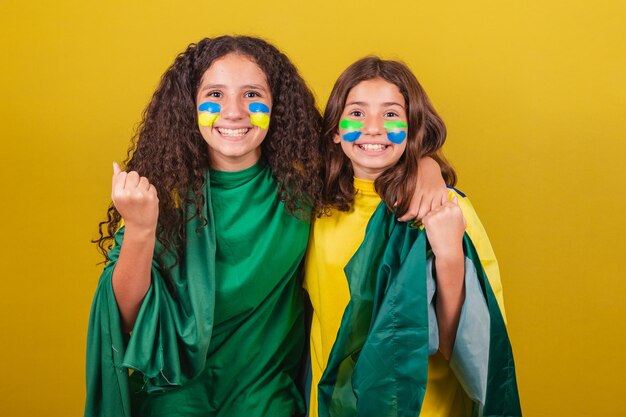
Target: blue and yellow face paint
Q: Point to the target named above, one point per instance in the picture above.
(260, 115)
(353, 127)
(396, 137)
(209, 112)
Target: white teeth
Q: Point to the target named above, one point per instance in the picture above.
(232, 132)
(372, 147)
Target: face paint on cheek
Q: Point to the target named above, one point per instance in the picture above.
(209, 112)
(396, 137)
(353, 127)
(260, 115)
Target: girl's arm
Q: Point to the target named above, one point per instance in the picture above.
(137, 202)
(430, 191)
(445, 226)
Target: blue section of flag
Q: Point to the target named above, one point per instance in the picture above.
(351, 136)
(210, 107)
(258, 108)
(396, 137)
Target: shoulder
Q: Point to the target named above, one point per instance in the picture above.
(471, 217)
(456, 191)
(463, 199)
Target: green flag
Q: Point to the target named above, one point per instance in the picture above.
(379, 363)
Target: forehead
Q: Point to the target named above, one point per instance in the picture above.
(376, 91)
(234, 70)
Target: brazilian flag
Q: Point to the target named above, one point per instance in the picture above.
(193, 350)
(378, 365)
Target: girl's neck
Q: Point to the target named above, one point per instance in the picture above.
(366, 174)
(218, 163)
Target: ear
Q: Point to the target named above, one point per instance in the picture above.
(337, 137)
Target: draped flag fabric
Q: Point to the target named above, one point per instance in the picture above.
(171, 351)
(378, 365)
(202, 345)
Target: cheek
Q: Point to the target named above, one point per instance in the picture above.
(206, 133)
(207, 119)
(261, 135)
(396, 137)
(396, 131)
(208, 112)
(346, 148)
(260, 120)
(350, 130)
(351, 136)
(259, 115)
(400, 150)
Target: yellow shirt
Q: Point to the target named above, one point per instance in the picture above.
(333, 241)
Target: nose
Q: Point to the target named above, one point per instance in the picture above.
(373, 126)
(233, 108)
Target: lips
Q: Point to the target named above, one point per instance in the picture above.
(233, 132)
(372, 147)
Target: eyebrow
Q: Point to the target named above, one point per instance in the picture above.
(257, 86)
(364, 104)
(247, 86)
(208, 86)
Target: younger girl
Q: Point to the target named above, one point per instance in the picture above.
(377, 315)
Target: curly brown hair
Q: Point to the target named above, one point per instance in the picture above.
(169, 150)
(426, 136)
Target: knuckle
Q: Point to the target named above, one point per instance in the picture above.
(139, 195)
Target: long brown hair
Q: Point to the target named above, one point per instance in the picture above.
(426, 135)
(169, 150)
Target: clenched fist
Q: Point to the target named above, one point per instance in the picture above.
(445, 226)
(135, 199)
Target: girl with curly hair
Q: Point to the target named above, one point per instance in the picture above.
(204, 241)
(396, 313)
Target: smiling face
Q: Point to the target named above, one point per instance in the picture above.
(373, 127)
(234, 105)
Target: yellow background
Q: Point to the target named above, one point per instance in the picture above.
(533, 93)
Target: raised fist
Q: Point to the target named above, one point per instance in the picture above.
(135, 199)
(445, 226)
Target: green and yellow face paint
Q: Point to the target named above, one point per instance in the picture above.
(353, 128)
(209, 112)
(396, 131)
(259, 114)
